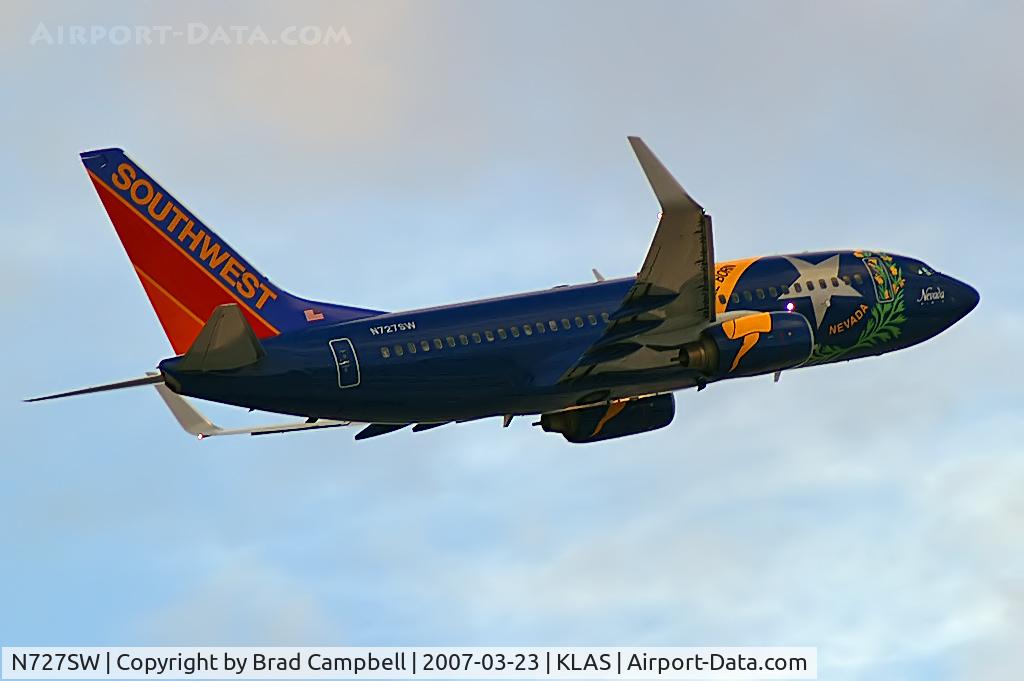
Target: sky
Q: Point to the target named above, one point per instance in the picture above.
(447, 151)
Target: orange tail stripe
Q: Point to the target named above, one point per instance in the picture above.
(163, 260)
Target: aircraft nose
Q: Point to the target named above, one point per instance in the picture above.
(965, 298)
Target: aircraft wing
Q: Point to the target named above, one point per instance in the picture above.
(673, 297)
(193, 422)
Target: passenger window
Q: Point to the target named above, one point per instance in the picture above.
(785, 290)
(399, 351)
(604, 317)
(760, 294)
(450, 340)
(721, 299)
(579, 322)
(747, 297)
(514, 330)
(385, 352)
(810, 285)
(502, 335)
(822, 284)
(476, 337)
(735, 298)
(527, 329)
(425, 344)
(857, 278)
(553, 325)
(565, 323)
(773, 292)
(412, 347)
(846, 278)
(592, 319)
(489, 335)
(796, 287)
(835, 282)
(463, 339)
(540, 327)
(438, 344)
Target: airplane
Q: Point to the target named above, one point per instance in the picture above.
(595, 361)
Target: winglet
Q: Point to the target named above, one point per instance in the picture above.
(187, 416)
(669, 192)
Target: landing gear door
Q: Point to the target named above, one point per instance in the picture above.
(346, 361)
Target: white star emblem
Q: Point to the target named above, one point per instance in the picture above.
(821, 298)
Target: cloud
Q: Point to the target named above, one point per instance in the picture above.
(240, 599)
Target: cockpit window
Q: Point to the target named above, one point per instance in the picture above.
(919, 268)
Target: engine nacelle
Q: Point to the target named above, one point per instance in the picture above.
(753, 344)
(607, 421)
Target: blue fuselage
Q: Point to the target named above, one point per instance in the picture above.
(507, 355)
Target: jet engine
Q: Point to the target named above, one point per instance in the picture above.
(611, 420)
(753, 344)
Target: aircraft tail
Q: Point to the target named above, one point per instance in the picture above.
(185, 268)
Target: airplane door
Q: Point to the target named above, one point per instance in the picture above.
(347, 362)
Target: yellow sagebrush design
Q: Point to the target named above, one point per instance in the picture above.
(887, 315)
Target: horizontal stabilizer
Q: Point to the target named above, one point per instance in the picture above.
(149, 379)
(194, 423)
(226, 341)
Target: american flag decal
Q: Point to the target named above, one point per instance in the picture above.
(312, 315)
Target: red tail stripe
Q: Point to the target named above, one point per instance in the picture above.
(178, 322)
(149, 254)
